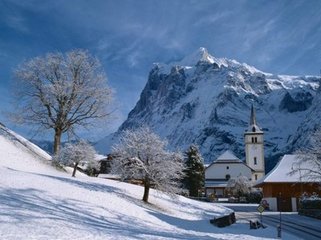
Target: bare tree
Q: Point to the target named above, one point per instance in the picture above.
(308, 163)
(73, 154)
(239, 186)
(61, 92)
(140, 154)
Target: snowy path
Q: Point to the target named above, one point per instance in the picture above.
(292, 223)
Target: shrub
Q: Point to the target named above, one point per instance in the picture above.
(311, 203)
(254, 197)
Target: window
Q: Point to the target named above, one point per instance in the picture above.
(228, 176)
(255, 161)
(252, 139)
(253, 129)
(255, 139)
(255, 176)
(227, 167)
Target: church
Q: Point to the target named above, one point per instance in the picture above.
(227, 165)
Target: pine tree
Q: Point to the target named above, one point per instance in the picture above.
(194, 171)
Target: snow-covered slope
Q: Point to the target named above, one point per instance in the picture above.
(39, 202)
(207, 100)
(18, 153)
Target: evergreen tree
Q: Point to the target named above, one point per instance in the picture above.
(194, 171)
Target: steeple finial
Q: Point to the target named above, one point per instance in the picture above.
(253, 117)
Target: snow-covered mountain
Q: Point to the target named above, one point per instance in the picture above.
(207, 100)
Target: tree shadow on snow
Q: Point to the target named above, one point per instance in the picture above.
(19, 206)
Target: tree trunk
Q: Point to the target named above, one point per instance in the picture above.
(75, 169)
(146, 189)
(57, 140)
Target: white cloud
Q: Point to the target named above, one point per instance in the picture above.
(213, 18)
(17, 22)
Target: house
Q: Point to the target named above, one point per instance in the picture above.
(91, 166)
(218, 173)
(281, 189)
(105, 168)
(105, 164)
(228, 166)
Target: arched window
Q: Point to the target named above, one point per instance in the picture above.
(227, 176)
(255, 161)
(253, 129)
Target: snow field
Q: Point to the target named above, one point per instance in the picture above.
(38, 202)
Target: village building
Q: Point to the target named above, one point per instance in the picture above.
(282, 189)
(218, 173)
(228, 166)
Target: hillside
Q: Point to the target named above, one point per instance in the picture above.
(39, 202)
(207, 100)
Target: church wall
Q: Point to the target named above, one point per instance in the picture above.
(255, 151)
(220, 170)
(249, 135)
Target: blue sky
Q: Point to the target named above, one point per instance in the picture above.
(128, 36)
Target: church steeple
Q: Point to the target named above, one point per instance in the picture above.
(253, 117)
(253, 127)
(254, 147)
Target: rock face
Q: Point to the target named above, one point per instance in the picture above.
(206, 101)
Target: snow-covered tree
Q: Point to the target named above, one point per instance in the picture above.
(240, 186)
(141, 154)
(308, 164)
(73, 154)
(194, 171)
(61, 92)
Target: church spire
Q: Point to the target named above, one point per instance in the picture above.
(253, 117)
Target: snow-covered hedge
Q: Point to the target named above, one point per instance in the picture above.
(311, 203)
(310, 206)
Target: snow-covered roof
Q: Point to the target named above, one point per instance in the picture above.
(281, 172)
(99, 157)
(109, 176)
(228, 156)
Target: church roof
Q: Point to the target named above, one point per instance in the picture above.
(227, 156)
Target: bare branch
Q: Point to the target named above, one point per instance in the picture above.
(309, 160)
(60, 91)
(141, 154)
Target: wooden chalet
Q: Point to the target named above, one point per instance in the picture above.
(282, 190)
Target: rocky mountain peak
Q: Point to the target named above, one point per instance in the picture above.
(207, 101)
(200, 55)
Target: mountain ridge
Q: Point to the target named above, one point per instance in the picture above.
(206, 101)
